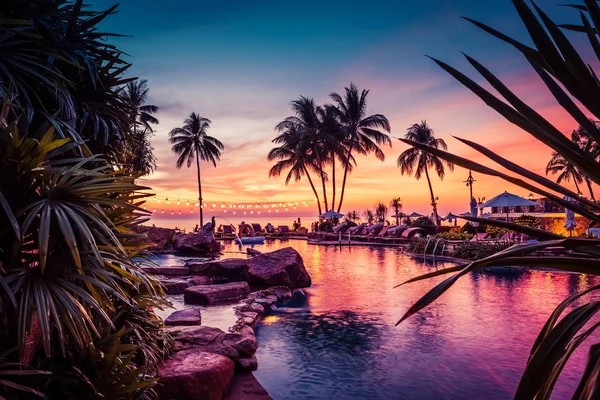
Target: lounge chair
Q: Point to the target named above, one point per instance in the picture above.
(258, 231)
(228, 232)
(384, 230)
(356, 230)
(283, 230)
(411, 232)
(480, 236)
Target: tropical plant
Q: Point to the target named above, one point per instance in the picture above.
(140, 158)
(454, 235)
(428, 226)
(69, 259)
(380, 212)
(590, 146)
(565, 170)
(477, 250)
(396, 205)
(58, 69)
(574, 84)
(418, 161)
(361, 133)
(369, 216)
(353, 216)
(192, 142)
(420, 245)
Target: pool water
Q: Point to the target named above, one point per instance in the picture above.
(339, 341)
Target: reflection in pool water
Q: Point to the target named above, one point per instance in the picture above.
(339, 341)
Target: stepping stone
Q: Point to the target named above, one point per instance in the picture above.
(173, 270)
(193, 374)
(213, 294)
(187, 317)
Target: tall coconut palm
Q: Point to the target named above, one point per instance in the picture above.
(380, 212)
(565, 170)
(361, 132)
(312, 138)
(333, 136)
(396, 204)
(192, 142)
(353, 216)
(291, 156)
(140, 155)
(419, 161)
(590, 146)
(369, 216)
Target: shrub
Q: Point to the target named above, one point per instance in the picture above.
(426, 224)
(417, 245)
(443, 229)
(478, 250)
(495, 231)
(528, 220)
(325, 226)
(453, 235)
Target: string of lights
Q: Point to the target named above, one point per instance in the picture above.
(175, 206)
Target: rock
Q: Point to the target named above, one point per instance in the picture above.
(266, 301)
(200, 280)
(251, 252)
(194, 374)
(244, 386)
(257, 308)
(174, 286)
(211, 294)
(160, 239)
(245, 345)
(282, 293)
(213, 340)
(249, 317)
(246, 330)
(187, 317)
(235, 269)
(247, 363)
(282, 267)
(173, 270)
(201, 242)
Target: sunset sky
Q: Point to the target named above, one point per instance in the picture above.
(240, 63)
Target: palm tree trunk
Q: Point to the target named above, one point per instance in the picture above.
(314, 190)
(333, 179)
(320, 160)
(397, 221)
(199, 192)
(345, 176)
(435, 214)
(589, 185)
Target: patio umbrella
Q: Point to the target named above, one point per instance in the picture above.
(570, 223)
(451, 217)
(415, 215)
(507, 200)
(331, 214)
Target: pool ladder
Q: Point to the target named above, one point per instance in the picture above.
(435, 246)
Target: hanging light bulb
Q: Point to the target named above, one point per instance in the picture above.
(168, 202)
(154, 198)
(244, 212)
(234, 212)
(154, 210)
(171, 212)
(197, 204)
(177, 201)
(259, 213)
(224, 211)
(144, 207)
(269, 211)
(191, 211)
(251, 212)
(159, 200)
(187, 203)
(162, 211)
(179, 212)
(277, 210)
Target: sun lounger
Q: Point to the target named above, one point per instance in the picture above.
(480, 236)
(411, 232)
(257, 229)
(283, 229)
(228, 232)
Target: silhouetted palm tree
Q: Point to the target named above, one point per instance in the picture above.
(333, 136)
(369, 216)
(140, 156)
(396, 204)
(381, 212)
(353, 216)
(312, 138)
(361, 132)
(419, 161)
(590, 146)
(192, 142)
(291, 156)
(565, 170)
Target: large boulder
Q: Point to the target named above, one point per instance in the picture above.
(235, 346)
(174, 286)
(186, 317)
(233, 269)
(160, 239)
(194, 374)
(212, 294)
(282, 267)
(201, 242)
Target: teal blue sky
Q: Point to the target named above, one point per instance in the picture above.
(240, 63)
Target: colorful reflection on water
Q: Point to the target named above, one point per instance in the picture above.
(339, 342)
